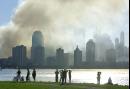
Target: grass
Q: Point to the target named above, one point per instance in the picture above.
(50, 85)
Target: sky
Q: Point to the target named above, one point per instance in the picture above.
(7, 8)
(64, 23)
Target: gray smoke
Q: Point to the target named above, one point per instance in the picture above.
(103, 43)
(64, 23)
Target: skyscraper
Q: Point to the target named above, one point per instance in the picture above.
(51, 61)
(37, 50)
(111, 57)
(121, 49)
(90, 52)
(122, 44)
(122, 39)
(117, 47)
(19, 55)
(117, 43)
(60, 58)
(37, 39)
(68, 57)
(77, 57)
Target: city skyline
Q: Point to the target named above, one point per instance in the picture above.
(64, 44)
(98, 54)
(38, 41)
(69, 23)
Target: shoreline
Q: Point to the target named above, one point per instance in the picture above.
(11, 81)
(53, 85)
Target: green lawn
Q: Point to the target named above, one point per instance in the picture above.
(47, 85)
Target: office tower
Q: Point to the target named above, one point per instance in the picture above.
(122, 39)
(111, 57)
(19, 55)
(68, 57)
(60, 58)
(77, 57)
(90, 52)
(37, 49)
(117, 43)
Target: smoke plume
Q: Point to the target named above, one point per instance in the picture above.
(64, 23)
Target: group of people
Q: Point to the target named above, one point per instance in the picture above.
(99, 78)
(63, 76)
(21, 78)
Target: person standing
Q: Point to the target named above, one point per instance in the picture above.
(61, 77)
(34, 74)
(69, 73)
(18, 75)
(98, 77)
(28, 75)
(65, 75)
(56, 75)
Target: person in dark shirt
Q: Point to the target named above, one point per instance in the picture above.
(110, 81)
(34, 74)
(65, 75)
(56, 75)
(69, 73)
(28, 75)
(18, 75)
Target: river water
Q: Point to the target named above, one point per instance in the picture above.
(118, 76)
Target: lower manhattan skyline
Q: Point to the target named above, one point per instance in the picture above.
(64, 44)
(98, 54)
(62, 24)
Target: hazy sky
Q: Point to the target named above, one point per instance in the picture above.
(64, 23)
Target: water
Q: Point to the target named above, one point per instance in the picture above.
(118, 76)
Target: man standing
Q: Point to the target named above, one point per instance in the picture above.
(34, 74)
(65, 75)
(56, 75)
(69, 73)
(61, 77)
(28, 75)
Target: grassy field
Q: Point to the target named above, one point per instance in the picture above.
(49, 85)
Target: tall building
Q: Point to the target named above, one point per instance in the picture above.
(68, 58)
(60, 58)
(122, 39)
(37, 39)
(19, 55)
(122, 51)
(77, 57)
(117, 47)
(90, 52)
(102, 43)
(51, 61)
(117, 43)
(122, 46)
(111, 57)
(37, 49)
